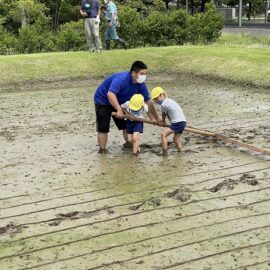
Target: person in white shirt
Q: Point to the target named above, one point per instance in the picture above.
(175, 114)
(136, 107)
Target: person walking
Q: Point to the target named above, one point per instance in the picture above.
(90, 10)
(111, 23)
(115, 90)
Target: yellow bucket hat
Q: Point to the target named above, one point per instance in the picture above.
(136, 102)
(156, 92)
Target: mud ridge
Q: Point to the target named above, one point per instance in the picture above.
(229, 184)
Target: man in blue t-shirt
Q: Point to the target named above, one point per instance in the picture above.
(90, 10)
(115, 90)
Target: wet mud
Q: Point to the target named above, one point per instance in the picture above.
(181, 194)
(65, 206)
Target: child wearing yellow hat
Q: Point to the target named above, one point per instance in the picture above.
(175, 114)
(136, 107)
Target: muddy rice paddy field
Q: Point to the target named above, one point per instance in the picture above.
(64, 206)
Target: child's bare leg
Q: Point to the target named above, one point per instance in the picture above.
(130, 138)
(164, 140)
(136, 142)
(176, 139)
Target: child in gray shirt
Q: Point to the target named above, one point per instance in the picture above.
(175, 114)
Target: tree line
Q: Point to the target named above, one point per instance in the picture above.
(28, 26)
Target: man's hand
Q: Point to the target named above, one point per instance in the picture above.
(119, 114)
(110, 23)
(84, 14)
(97, 19)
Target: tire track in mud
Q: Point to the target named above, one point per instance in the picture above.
(212, 255)
(157, 197)
(134, 227)
(147, 239)
(151, 238)
(152, 197)
(135, 183)
(252, 265)
(104, 207)
(149, 254)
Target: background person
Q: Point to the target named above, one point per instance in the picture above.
(90, 10)
(115, 90)
(111, 23)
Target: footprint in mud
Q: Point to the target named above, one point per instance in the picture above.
(181, 194)
(249, 178)
(77, 215)
(152, 201)
(11, 228)
(229, 184)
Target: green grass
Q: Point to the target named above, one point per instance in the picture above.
(234, 63)
(245, 40)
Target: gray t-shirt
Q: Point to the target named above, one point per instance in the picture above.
(173, 111)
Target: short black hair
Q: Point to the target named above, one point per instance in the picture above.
(138, 66)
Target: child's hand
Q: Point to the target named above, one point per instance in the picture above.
(161, 122)
(154, 121)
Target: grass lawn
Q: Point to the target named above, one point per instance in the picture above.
(234, 63)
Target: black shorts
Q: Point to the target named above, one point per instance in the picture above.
(103, 119)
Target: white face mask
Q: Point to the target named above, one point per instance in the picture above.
(141, 78)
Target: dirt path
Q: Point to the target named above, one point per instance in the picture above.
(63, 206)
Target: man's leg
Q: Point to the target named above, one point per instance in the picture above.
(122, 42)
(108, 45)
(102, 141)
(96, 37)
(108, 37)
(121, 125)
(164, 140)
(88, 34)
(103, 118)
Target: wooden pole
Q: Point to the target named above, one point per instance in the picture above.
(205, 133)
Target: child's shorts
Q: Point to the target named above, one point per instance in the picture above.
(133, 126)
(178, 127)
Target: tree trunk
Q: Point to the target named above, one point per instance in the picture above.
(55, 17)
(203, 6)
(167, 4)
(192, 7)
(23, 17)
(249, 10)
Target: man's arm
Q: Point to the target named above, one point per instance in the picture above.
(114, 102)
(82, 12)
